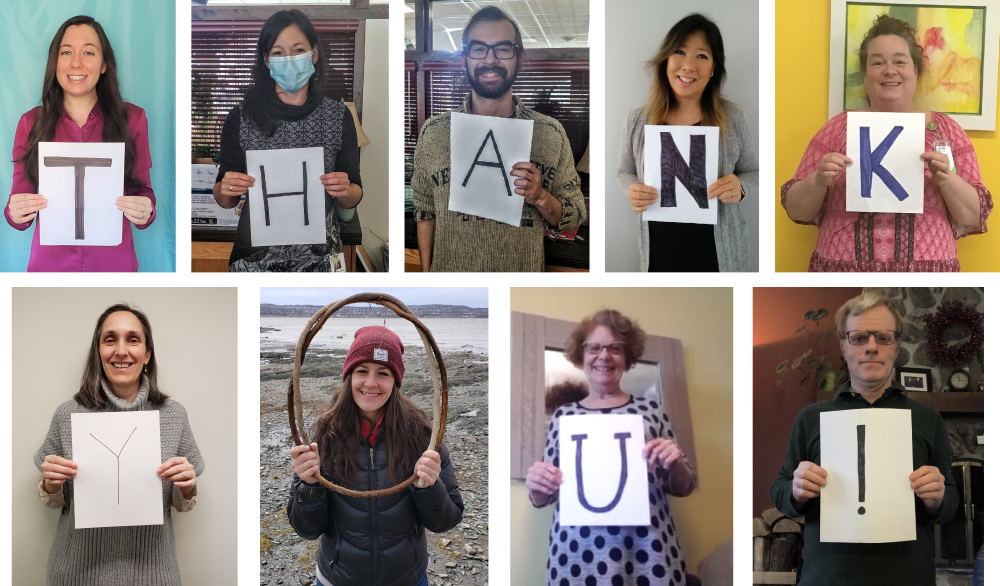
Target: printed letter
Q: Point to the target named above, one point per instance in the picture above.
(267, 196)
(79, 165)
(498, 164)
(871, 162)
(692, 176)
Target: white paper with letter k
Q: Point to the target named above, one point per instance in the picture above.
(886, 173)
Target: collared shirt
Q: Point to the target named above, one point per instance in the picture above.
(85, 258)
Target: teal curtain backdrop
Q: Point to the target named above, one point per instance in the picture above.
(142, 34)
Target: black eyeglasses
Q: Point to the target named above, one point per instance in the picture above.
(502, 51)
(861, 337)
(595, 348)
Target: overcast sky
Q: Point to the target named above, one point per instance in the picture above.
(468, 296)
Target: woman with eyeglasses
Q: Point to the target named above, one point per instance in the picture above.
(285, 108)
(606, 345)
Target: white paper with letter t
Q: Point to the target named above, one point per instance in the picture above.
(604, 475)
(681, 162)
(117, 455)
(868, 457)
(81, 180)
(886, 173)
(287, 200)
(484, 150)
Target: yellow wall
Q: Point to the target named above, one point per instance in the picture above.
(802, 89)
(703, 321)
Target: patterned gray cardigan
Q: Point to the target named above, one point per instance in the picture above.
(737, 154)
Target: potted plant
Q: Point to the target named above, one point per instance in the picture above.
(205, 155)
(811, 366)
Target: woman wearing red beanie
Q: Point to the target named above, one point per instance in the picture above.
(369, 438)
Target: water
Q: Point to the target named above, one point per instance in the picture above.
(451, 335)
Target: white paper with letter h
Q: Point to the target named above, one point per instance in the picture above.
(81, 180)
(886, 173)
(117, 455)
(604, 476)
(287, 200)
(681, 162)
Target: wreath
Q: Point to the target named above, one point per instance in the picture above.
(949, 313)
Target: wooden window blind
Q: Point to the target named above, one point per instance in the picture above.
(222, 60)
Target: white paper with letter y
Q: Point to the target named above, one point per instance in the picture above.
(81, 180)
(886, 173)
(117, 455)
(604, 476)
(287, 200)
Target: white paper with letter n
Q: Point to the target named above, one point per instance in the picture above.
(117, 455)
(81, 180)
(604, 475)
(868, 457)
(287, 200)
(484, 150)
(681, 162)
(886, 173)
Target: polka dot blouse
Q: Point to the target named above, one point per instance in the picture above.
(617, 556)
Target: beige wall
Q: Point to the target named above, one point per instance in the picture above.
(374, 207)
(195, 331)
(703, 320)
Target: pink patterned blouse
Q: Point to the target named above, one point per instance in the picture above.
(882, 242)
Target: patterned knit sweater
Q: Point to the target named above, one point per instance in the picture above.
(470, 243)
(112, 556)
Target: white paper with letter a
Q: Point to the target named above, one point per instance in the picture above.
(287, 200)
(484, 150)
(681, 162)
(81, 180)
(868, 457)
(117, 455)
(604, 476)
(886, 173)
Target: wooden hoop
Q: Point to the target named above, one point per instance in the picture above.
(315, 324)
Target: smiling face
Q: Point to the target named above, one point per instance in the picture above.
(690, 67)
(890, 75)
(870, 365)
(371, 385)
(605, 369)
(291, 42)
(491, 77)
(123, 352)
(79, 62)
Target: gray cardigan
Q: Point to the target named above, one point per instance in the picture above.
(737, 154)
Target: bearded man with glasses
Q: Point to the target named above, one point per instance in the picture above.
(492, 53)
(869, 326)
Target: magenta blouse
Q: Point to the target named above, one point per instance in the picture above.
(85, 258)
(880, 242)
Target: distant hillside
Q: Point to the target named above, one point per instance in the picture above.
(450, 311)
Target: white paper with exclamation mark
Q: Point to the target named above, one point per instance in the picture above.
(868, 457)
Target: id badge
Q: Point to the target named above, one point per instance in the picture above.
(944, 146)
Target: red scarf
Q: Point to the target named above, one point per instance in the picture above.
(368, 432)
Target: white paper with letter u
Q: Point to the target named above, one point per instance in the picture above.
(681, 162)
(81, 180)
(604, 476)
(484, 150)
(287, 200)
(868, 457)
(117, 455)
(886, 173)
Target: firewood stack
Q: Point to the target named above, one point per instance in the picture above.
(777, 547)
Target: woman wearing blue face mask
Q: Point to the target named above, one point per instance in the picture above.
(284, 108)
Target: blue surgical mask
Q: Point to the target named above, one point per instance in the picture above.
(293, 72)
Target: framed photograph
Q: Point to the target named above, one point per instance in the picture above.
(915, 379)
(961, 41)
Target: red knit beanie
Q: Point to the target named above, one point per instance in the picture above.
(376, 344)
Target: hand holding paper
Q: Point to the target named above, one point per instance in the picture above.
(56, 470)
(642, 196)
(807, 480)
(928, 483)
(831, 165)
(663, 453)
(337, 184)
(543, 478)
(939, 166)
(728, 189)
(23, 207)
(138, 209)
(181, 472)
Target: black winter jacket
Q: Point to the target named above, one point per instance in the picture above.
(380, 541)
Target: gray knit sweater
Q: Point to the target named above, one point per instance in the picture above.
(469, 243)
(737, 154)
(112, 556)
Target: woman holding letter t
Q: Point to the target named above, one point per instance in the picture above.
(120, 376)
(688, 73)
(81, 102)
(285, 108)
(956, 203)
(606, 345)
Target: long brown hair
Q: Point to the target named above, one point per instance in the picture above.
(108, 96)
(661, 95)
(405, 427)
(90, 394)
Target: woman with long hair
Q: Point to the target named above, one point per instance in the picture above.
(688, 73)
(81, 102)
(284, 108)
(372, 437)
(120, 375)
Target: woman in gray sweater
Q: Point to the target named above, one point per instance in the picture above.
(688, 73)
(120, 375)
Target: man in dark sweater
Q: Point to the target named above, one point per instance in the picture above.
(869, 327)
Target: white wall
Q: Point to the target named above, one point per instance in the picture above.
(374, 208)
(195, 331)
(634, 30)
